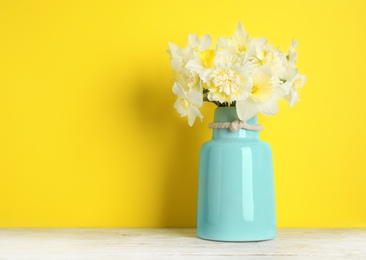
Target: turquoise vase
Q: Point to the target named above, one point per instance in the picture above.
(236, 199)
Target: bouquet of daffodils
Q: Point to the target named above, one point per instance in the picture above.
(248, 73)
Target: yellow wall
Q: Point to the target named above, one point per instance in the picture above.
(89, 135)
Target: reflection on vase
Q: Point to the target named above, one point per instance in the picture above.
(236, 188)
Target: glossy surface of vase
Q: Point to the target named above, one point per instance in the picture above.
(236, 199)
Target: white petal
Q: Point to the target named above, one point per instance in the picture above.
(258, 42)
(268, 108)
(286, 87)
(303, 79)
(287, 97)
(293, 44)
(205, 42)
(179, 90)
(294, 97)
(185, 52)
(290, 75)
(195, 97)
(245, 109)
(278, 92)
(192, 114)
(291, 71)
(179, 108)
(173, 48)
(292, 54)
(191, 119)
(192, 40)
(205, 74)
(195, 111)
(176, 63)
(263, 71)
(240, 28)
(195, 65)
(222, 42)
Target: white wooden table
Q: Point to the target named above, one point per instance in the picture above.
(175, 243)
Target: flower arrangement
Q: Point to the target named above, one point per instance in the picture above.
(248, 73)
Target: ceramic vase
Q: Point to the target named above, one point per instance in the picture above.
(236, 199)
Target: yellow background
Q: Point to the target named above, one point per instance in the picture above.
(89, 135)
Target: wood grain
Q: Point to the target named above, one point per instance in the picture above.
(175, 243)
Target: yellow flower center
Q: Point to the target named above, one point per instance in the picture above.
(261, 90)
(185, 104)
(265, 56)
(255, 90)
(241, 41)
(207, 57)
(242, 48)
(297, 84)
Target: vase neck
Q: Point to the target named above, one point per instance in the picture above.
(228, 114)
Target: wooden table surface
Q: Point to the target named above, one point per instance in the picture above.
(176, 243)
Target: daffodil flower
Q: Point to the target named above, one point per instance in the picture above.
(267, 55)
(188, 102)
(179, 57)
(292, 54)
(287, 76)
(262, 97)
(298, 82)
(227, 79)
(241, 71)
(240, 42)
(201, 61)
(189, 79)
(197, 44)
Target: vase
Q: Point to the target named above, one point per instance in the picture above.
(236, 199)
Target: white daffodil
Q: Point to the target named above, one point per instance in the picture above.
(262, 96)
(203, 56)
(227, 79)
(246, 72)
(298, 82)
(287, 76)
(188, 102)
(197, 44)
(201, 61)
(180, 57)
(267, 55)
(293, 81)
(240, 42)
(292, 54)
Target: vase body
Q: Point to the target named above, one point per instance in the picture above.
(236, 200)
